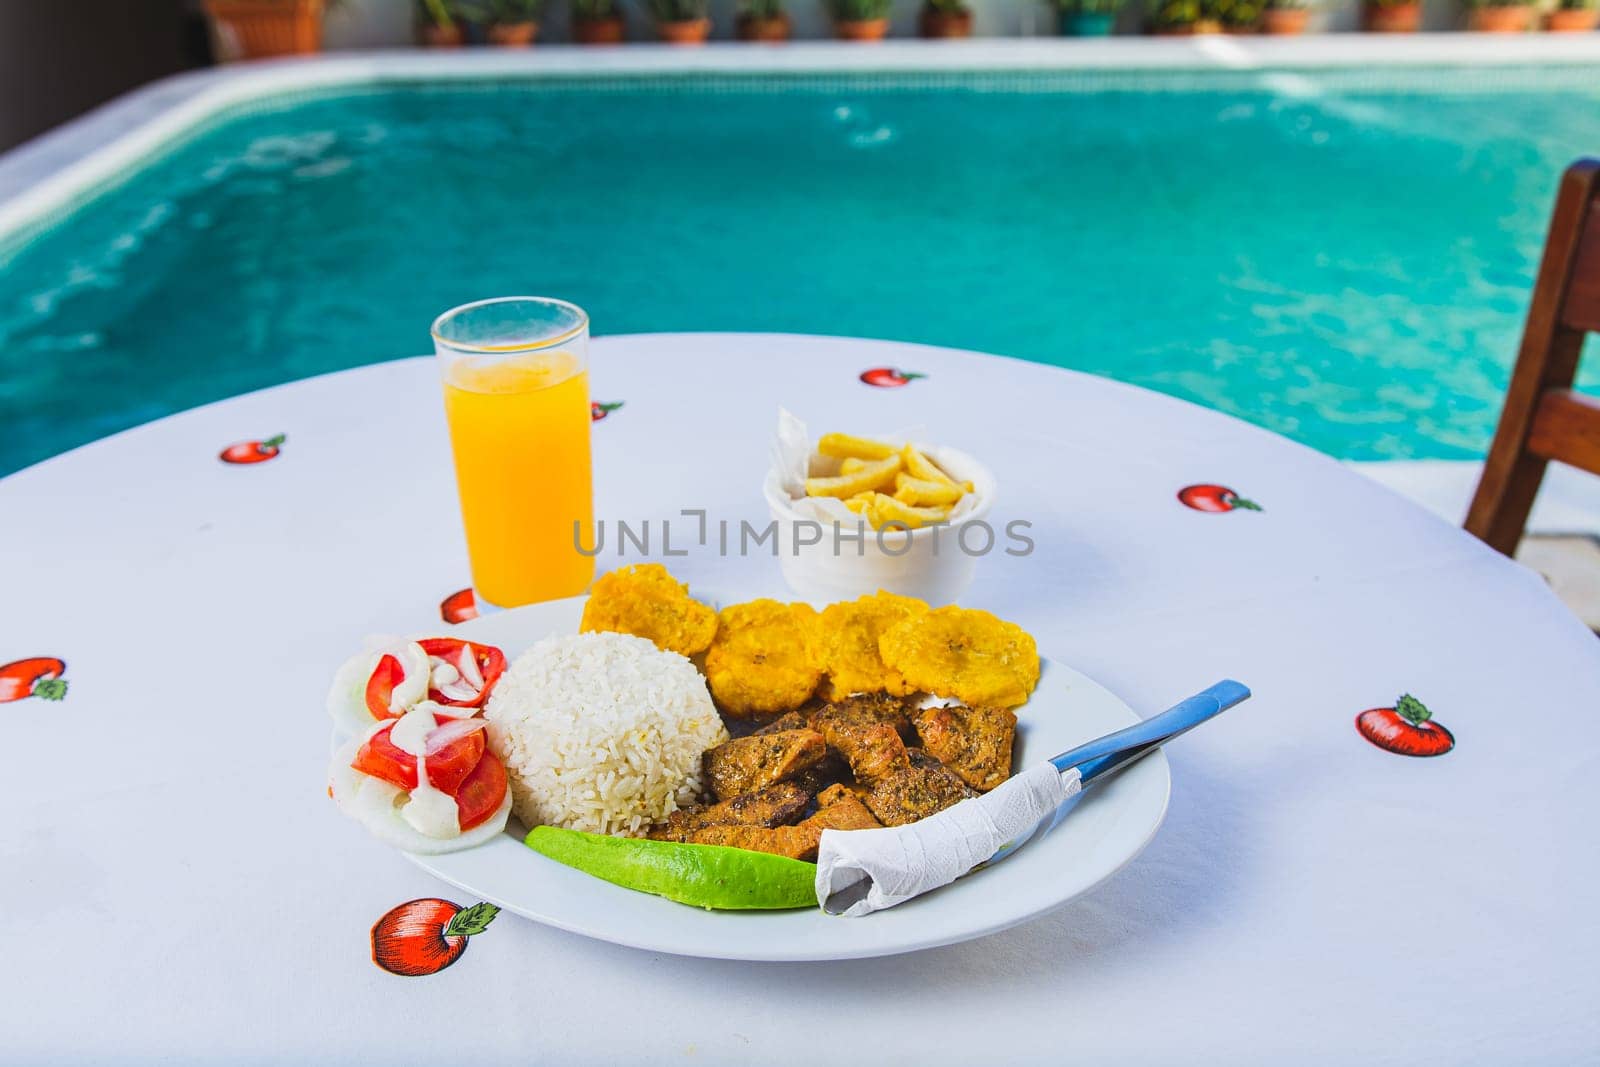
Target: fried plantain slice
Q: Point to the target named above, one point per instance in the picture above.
(962, 653)
(760, 662)
(646, 601)
(847, 636)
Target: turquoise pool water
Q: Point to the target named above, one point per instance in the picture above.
(1342, 258)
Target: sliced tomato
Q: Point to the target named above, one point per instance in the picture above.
(449, 764)
(380, 687)
(491, 663)
(482, 793)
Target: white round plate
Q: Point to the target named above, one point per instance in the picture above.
(1107, 828)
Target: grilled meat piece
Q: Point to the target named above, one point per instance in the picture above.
(767, 807)
(746, 764)
(902, 785)
(789, 720)
(840, 809)
(865, 710)
(973, 742)
(873, 752)
(796, 842)
(927, 788)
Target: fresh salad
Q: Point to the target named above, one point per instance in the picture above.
(417, 771)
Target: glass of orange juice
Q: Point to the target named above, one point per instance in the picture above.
(516, 396)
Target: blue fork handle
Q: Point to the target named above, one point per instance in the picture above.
(1105, 755)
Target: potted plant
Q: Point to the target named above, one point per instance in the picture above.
(945, 18)
(1499, 16)
(1573, 16)
(596, 22)
(253, 29)
(1182, 18)
(514, 23)
(1088, 18)
(762, 20)
(1235, 16)
(1391, 16)
(440, 25)
(859, 20)
(1285, 18)
(682, 21)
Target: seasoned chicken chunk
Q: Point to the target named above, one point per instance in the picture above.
(789, 720)
(866, 710)
(746, 764)
(873, 751)
(927, 788)
(771, 806)
(973, 742)
(840, 809)
(796, 842)
(901, 785)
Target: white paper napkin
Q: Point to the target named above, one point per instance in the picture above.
(905, 861)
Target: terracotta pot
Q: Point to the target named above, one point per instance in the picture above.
(1391, 18)
(932, 23)
(755, 28)
(513, 34)
(598, 31)
(1284, 21)
(1572, 20)
(684, 31)
(1514, 19)
(253, 29)
(861, 29)
(432, 35)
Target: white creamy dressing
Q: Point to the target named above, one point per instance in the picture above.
(461, 680)
(429, 811)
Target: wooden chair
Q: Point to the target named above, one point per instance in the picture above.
(1543, 418)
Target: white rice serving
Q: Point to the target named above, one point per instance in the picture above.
(601, 732)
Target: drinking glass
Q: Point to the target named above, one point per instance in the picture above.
(516, 395)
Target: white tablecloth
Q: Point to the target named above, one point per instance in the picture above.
(173, 879)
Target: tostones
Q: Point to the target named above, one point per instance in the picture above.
(846, 641)
(962, 653)
(760, 662)
(646, 601)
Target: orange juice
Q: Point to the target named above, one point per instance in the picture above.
(519, 427)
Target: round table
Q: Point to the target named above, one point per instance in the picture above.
(176, 881)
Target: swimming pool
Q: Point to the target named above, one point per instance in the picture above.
(1342, 257)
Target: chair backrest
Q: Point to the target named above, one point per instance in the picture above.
(1543, 418)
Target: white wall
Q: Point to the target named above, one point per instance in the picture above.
(388, 23)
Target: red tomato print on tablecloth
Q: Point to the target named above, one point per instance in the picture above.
(253, 451)
(1214, 498)
(37, 676)
(599, 410)
(422, 937)
(1407, 729)
(459, 606)
(889, 377)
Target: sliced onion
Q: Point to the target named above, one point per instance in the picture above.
(458, 691)
(451, 731)
(467, 662)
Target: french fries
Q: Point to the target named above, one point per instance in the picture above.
(921, 493)
(886, 509)
(874, 476)
(843, 446)
(887, 484)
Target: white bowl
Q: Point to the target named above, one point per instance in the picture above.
(932, 563)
